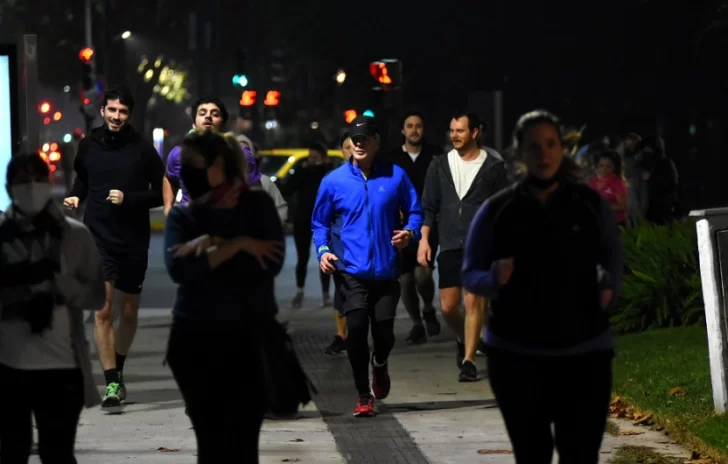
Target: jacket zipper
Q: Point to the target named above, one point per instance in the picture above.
(371, 230)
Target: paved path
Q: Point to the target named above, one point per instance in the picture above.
(428, 418)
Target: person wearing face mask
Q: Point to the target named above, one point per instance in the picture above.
(304, 184)
(50, 271)
(223, 250)
(119, 175)
(547, 255)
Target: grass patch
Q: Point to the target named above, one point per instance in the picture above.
(641, 455)
(612, 428)
(650, 364)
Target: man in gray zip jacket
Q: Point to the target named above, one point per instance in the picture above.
(456, 186)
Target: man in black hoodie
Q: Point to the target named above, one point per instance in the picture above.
(456, 186)
(415, 156)
(119, 175)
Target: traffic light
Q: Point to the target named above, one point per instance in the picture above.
(88, 79)
(380, 72)
(240, 80)
(272, 98)
(86, 55)
(387, 73)
(349, 116)
(248, 98)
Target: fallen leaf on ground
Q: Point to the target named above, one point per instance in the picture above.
(167, 450)
(629, 432)
(677, 391)
(644, 419)
(487, 451)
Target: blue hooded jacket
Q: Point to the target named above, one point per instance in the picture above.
(355, 218)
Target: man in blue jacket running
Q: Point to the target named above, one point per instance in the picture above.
(356, 222)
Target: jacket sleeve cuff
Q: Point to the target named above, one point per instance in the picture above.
(323, 249)
(429, 220)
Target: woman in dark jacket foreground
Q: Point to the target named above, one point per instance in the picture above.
(546, 253)
(224, 250)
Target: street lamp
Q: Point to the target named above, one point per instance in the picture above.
(340, 76)
(125, 35)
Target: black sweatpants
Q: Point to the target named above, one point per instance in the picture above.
(571, 392)
(303, 238)
(227, 428)
(25, 394)
(367, 302)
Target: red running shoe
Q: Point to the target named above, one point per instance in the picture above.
(364, 407)
(380, 381)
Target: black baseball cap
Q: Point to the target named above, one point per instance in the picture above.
(363, 125)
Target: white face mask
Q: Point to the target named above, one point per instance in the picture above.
(31, 198)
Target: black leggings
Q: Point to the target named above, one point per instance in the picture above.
(227, 430)
(25, 394)
(529, 391)
(303, 236)
(357, 323)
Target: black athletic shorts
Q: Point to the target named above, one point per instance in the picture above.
(378, 297)
(450, 265)
(126, 269)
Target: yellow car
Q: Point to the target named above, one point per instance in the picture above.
(282, 162)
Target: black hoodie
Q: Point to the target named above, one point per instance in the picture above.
(118, 161)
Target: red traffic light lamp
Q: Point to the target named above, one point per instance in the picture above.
(380, 72)
(86, 55)
(272, 98)
(248, 98)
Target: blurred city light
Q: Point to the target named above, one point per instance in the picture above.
(272, 124)
(349, 115)
(45, 107)
(340, 76)
(86, 54)
(57, 116)
(368, 113)
(67, 88)
(126, 35)
(314, 125)
(67, 138)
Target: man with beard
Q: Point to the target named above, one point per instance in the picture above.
(206, 112)
(119, 175)
(455, 187)
(415, 156)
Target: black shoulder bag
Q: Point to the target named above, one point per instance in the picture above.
(286, 384)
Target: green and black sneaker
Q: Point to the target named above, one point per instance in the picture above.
(111, 398)
(122, 389)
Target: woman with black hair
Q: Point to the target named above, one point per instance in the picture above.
(224, 250)
(546, 253)
(610, 184)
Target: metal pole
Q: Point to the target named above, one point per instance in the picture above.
(89, 35)
(28, 71)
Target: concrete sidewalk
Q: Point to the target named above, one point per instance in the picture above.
(429, 416)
